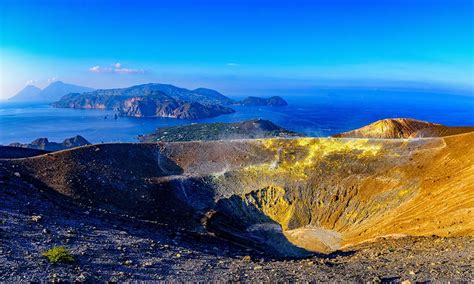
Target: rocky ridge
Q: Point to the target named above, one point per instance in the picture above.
(403, 128)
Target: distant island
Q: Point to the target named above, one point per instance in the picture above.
(54, 92)
(45, 144)
(152, 100)
(161, 100)
(250, 129)
(257, 101)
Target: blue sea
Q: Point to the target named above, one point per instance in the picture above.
(314, 113)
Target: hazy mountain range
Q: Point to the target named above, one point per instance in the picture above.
(51, 93)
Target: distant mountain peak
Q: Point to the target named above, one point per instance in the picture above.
(57, 83)
(53, 92)
(31, 87)
(57, 89)
(28, 93)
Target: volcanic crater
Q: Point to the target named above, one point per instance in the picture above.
(285, 197)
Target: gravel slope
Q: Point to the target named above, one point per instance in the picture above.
(109, 247)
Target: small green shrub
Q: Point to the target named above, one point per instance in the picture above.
(58, 255)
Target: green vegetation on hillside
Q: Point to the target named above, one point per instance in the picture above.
(256, 128)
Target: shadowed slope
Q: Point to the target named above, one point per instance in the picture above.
(10, 152)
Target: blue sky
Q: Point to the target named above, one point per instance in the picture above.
(236, 46)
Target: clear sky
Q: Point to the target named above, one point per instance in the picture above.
(236, 45)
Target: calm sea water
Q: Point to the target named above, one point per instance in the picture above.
(314, 113)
